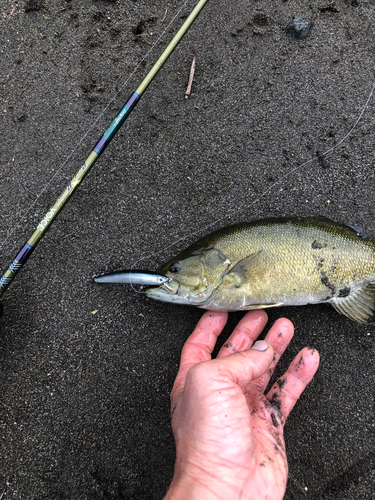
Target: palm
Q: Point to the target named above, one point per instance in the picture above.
(269, 450)
(227, 429)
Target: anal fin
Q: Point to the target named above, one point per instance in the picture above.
(358, 305)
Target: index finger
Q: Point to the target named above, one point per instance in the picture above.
(199, 346)
(245, 333)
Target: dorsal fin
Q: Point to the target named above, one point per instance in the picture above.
(351, 227)
(358, 231)
(358, 305)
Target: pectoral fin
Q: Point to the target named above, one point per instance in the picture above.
(358, 305)
(246, 270)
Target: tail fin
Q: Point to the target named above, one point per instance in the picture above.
(358, 305)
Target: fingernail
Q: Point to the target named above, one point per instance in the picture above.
(260, 345)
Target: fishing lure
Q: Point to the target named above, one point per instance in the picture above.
(146, 278)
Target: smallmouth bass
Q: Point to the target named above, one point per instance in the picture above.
(273, 263)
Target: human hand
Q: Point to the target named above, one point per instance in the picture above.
(229, 435)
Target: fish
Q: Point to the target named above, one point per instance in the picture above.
(272, 263)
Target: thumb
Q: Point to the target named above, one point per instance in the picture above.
(244, 366)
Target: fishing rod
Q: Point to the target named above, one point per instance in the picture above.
(28, 248)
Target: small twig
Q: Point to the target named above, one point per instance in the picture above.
(165, 15)
(4, 489)
(192, 70)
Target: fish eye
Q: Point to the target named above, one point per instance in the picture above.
(176, 268)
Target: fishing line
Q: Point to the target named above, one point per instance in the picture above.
(295, 169)
(92, 125)
(28, 248)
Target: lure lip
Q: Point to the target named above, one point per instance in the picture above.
(133, 277)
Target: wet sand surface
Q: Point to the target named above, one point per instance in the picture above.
(86, 370)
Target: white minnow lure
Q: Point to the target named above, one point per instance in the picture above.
(133, 277)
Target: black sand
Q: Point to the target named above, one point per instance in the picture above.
(84, 397)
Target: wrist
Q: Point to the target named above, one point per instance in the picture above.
(198, 486)
(186, 489)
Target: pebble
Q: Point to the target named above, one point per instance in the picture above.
(298, 29)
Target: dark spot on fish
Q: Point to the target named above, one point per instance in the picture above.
(325, 299)
(319, 264)
(344, 292)
(174, 409)
(311, 349)
(281, 382)
(280, 334)
(274, 357)
(325, 280)
(262, 464)
(274, 420)
(316, 244)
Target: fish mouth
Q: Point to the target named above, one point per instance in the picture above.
(170, 287)
(167, 292)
